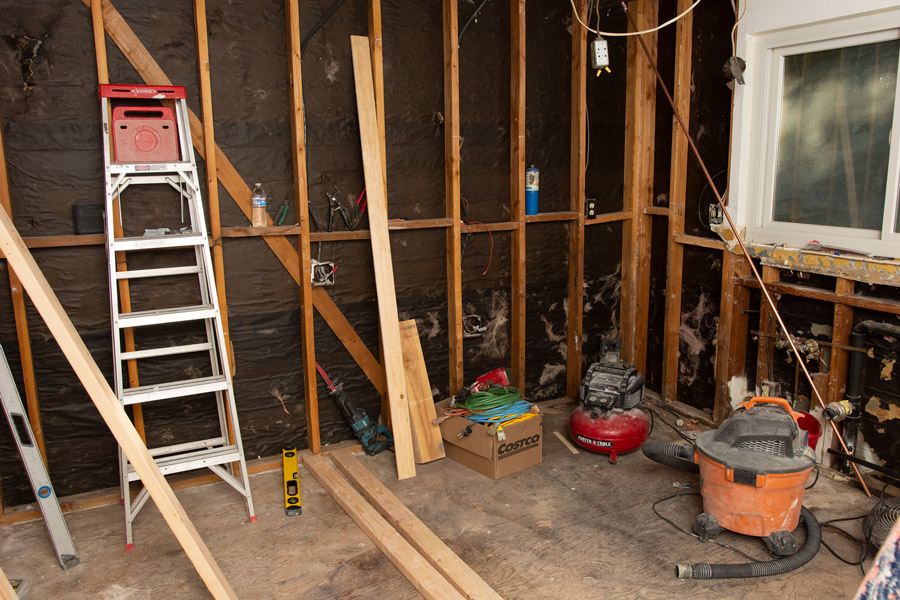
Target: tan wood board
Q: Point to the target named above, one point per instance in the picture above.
(435, 551)
(427, 442)
(395, 382)
(414, 567)
(108, 405)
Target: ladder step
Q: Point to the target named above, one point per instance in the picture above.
(196, 459)
(150, 168)
(174, 389)
(155, 242)
(168, 315)
(167, 351)
(164, 272)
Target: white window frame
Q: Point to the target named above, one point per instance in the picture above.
(759, 124)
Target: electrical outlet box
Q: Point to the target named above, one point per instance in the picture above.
(599, 54)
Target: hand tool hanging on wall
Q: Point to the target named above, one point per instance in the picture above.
(322, 272)
(374, 438)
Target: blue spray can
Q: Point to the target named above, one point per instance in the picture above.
(532, 185)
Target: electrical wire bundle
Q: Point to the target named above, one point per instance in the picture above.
(500, 406)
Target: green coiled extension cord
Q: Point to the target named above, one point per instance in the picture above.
(490, 399)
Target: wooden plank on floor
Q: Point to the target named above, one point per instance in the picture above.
(431, 547)
(108, 405)
(395, 382)
(427, 442)
(414, 567)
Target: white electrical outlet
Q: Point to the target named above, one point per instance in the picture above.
(599, 54)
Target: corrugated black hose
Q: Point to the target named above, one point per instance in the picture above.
(763, 568)
(680, 456)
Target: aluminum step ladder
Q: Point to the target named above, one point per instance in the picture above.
(34, 466)
(148, 142)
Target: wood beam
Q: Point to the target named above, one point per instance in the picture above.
(731, 338)
(150, 71)
(212, 182)
(430, 583)
(466, 581)
(677, 194)
(884, 305)
(517, 191)
(376, 51)
(97, 22)
(640, 121)
(843, 326)
(301, 205)
(108, 405)
(576, 201)
(767, 324)
(395, 381)
(17, 297)
(452, 194)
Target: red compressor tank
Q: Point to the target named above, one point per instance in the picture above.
(608, 420)
(609, 432)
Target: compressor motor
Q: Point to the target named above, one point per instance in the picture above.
(609, 420)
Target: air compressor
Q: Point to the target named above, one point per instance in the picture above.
(609, 420)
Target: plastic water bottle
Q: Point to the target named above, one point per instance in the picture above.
(532, 185)
(258, 206)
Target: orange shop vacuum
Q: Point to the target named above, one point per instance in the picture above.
(753, 471)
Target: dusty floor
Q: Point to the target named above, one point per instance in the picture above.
(572, 527)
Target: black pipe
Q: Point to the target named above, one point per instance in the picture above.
(762, 568)
(680, 456)
(855, 380)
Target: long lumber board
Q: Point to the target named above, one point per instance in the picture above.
(395, 381)
(104, 398)
(416, 569)
(429, 545)
(152, 74)
(427, 442)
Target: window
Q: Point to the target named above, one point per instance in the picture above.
(824, 159)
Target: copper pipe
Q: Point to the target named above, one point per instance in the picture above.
(740, 241)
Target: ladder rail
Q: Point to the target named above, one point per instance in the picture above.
(224, 455)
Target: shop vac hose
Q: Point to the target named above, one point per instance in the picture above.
(762, 568)
(680, 456)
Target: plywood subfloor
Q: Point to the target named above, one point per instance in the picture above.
(571, 527)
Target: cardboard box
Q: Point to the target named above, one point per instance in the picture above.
(483, 452)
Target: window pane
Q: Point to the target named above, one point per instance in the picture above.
(833, 145)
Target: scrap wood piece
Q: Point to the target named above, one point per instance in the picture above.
(428, 445)
(152, 74)
(416, 569)
(435, 551)
(395, 382)
(107, 403)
